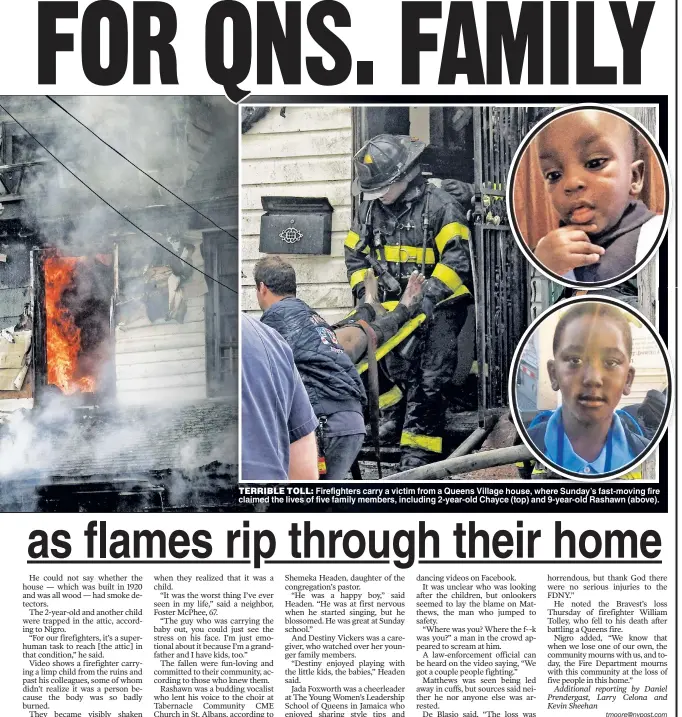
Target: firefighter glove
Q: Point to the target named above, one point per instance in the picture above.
(427, 308)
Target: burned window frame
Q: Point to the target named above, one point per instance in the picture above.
(106, 392)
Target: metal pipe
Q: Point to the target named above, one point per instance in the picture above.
(473, 440)
(464, 464)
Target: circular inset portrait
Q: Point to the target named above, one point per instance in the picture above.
(589, 196)
(590, 389)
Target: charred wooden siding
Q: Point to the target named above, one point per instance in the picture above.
(307, 152)
(15, 296)
(15, 279)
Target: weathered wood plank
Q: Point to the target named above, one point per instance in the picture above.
(331, 296)
(285, 171)
(463, 464)
(298, 118)
(163, 329)
(178, 395)
(14, 404)
(309, 270)
(297, 144)
(160, 343)
(195, 312)
(194, 302)
(164, 368)
(133, 358)
(154, 382)
(503, 435)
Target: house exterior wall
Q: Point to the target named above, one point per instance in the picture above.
(307, 153)
(15, 294)
(165, 361)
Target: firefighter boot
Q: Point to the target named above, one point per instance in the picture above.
(415, 458)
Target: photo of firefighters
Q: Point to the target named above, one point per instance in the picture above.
(589, 196)
(380, 275)
(592, 389)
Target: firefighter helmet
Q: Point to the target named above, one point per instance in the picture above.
(383, 160)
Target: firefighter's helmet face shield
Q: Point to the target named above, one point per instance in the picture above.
(394, 192)
(377, 193)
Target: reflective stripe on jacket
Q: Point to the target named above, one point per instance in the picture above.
(400, 226)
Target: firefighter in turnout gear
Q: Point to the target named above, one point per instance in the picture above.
(405, 224)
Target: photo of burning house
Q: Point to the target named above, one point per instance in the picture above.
(118, 303)
(318, 190)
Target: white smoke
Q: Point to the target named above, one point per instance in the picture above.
(154, 133)
(158, 134)
(58, 440)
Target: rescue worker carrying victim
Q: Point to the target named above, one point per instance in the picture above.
(406, 224)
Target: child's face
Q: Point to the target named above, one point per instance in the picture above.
(586, 158)
(591, 368)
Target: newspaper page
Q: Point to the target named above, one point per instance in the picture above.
(338, 348)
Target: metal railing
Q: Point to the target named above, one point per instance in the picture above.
(501, 272)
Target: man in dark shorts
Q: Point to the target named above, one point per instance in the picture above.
(278, 422)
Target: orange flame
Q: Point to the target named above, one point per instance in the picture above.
(63, 336)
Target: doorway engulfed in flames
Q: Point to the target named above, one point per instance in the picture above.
(77, 291)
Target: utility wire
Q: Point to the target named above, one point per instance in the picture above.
(139, 169)
(111, 206)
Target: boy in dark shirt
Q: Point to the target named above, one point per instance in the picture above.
(594, 176)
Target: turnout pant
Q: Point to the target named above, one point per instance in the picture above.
(340, 452)
(441, 360)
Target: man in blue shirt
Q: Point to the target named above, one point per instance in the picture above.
(592, 369)
(334, 387)
(278, 422)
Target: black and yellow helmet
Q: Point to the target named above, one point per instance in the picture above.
(383, 160)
